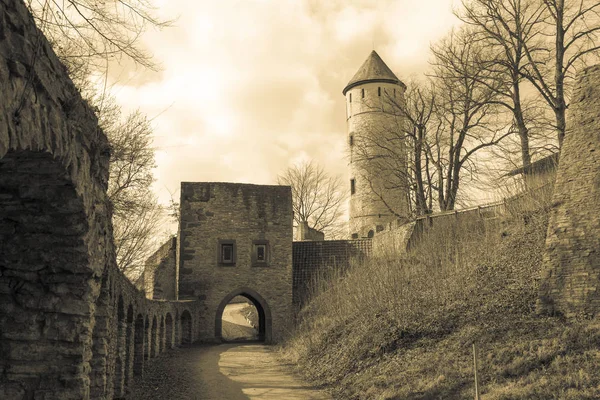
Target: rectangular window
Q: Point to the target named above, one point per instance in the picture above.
(394, 92)
(378, 91)
(260, 253)
(351, 140)
(226, 252)
(362, 93)
(352, 186)
(350, 97)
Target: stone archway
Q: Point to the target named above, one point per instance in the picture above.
(186, 327)
(154, 346)
(169, 331)
(138, 357)
(45, 276)
(264, 314)
(54, 222)
(129, 347)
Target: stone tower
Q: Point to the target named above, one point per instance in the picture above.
(378, 189)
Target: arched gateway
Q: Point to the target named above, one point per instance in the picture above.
(236, 239)
(265, 320)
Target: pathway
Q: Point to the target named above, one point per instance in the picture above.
(222, 372)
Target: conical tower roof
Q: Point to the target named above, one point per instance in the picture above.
(372, 70)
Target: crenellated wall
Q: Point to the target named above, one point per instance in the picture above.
(570, 285)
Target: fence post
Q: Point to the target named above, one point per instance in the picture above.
(475, 370)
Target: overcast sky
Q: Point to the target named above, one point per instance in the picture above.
(249, 87)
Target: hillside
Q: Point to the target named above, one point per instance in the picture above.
(403, 328)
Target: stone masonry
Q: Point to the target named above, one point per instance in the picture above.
(221, 227)
(71, 325)
(570, 285)
(160, 273)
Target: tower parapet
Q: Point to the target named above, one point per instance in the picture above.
(379, 193)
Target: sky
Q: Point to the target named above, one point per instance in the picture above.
(250, 87)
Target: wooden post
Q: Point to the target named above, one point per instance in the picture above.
(475, 370)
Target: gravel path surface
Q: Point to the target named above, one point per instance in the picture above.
(221, 372)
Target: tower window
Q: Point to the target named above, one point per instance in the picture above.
(226, 252)
(260, 253)
(352, 186)
(379, 91)
(394, 92)
(362, 93)
(350, 97)
(351, 140)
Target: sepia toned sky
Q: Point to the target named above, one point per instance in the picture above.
(249, 87)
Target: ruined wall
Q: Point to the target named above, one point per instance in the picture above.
(217, 214)
(313, 260)
(572, 258)
(71, 325)
(160, 281)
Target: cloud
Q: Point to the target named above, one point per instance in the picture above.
(250, 87)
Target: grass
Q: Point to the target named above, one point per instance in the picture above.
(403, 327)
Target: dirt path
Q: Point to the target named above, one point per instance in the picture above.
(235, 325)
(222, 372)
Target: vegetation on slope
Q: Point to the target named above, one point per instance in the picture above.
(403, 328)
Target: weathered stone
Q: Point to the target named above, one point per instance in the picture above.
(572, 257)
(240, 214)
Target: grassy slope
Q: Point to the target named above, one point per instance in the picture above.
(403, 329)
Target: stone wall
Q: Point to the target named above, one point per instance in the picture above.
(160, 281)
(572, 258)
(214, 215)
(71, 325)
(313, 260)
(130, 331)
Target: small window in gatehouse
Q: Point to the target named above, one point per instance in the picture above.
(362, 93)
(352, 186)
(260, 253)
(378, 91)
(351, 140)
(350, 97)
(227, 252)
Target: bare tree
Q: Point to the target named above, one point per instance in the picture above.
(136, 212)
(505, 27)
(317, 198)
(396, 149)
(469, 118)
(87, 34)
(572, 30)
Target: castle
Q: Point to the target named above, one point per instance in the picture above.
(235, 239)
(72, 326)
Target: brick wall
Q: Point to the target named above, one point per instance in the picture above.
(312, 259)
